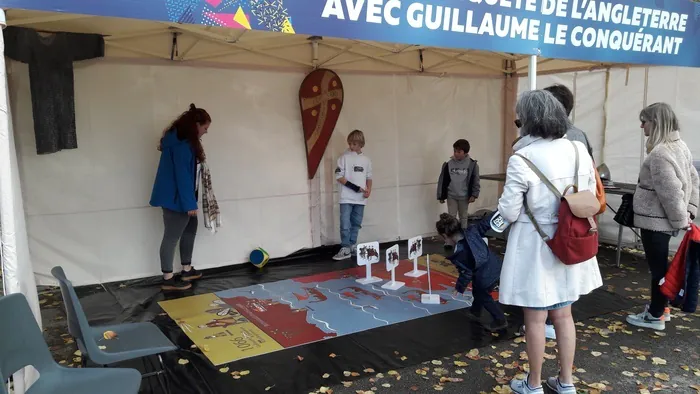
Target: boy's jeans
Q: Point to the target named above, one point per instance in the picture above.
(459, 208)
(483, 299)
(350, 223)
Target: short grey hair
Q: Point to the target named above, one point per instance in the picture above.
(664, 122)
(541, 115)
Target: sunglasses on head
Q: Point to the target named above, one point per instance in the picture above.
(518, 123)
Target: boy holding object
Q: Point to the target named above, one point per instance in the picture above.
(354, 173)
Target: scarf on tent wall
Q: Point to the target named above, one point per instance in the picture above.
(210, 208)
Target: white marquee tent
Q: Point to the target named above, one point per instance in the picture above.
(87, 209)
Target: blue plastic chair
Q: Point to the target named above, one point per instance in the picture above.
(22, 344)
(134, 340)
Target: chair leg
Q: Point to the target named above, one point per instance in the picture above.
(165, 384)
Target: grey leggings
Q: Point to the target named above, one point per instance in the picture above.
(178, 227)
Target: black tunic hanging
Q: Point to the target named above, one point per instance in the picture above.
(50, 58)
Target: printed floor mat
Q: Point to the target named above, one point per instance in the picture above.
(234, 324)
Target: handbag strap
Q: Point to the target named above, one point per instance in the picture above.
(550, 186)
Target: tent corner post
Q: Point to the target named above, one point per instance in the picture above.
(532, 72)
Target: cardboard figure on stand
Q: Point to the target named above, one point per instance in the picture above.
(368, 254)
(415, 250)
(392, 261)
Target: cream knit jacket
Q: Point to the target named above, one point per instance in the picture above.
(668, 188)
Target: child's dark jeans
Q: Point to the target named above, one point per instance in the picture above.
(483, 299)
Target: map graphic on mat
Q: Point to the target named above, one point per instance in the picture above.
(234, 324)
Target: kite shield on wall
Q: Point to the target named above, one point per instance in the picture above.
(320, 100)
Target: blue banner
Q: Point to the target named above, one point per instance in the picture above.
(655, 32)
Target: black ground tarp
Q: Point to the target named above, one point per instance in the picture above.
(300, 369)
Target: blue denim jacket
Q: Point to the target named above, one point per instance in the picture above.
(474, 260)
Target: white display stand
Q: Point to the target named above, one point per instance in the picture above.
(429, 298)
(368, 254)
(392, 261)
(415, 250)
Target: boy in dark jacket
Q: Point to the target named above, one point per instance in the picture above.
(459, 183)
(476, 264)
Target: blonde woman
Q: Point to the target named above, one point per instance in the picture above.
(665, 201)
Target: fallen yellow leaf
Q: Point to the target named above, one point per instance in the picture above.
(244, 373)
(437, 362)
(658, 361)
(628, 374)
(662, 376)
(596, 354)
(326, 375)
(183, 361)
(223, 370)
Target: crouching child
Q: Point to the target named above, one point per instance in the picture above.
(476, 263)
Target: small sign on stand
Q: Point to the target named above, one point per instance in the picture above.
(429, 298)
(368, 254)
(392, 261)
(415, 250)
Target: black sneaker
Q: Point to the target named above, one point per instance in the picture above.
(190, 275)
(497, 325)
(175, 284)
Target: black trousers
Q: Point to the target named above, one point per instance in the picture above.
(656, 251)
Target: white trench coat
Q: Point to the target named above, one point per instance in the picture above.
(532, 276)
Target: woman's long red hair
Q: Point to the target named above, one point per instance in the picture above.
(186, 126)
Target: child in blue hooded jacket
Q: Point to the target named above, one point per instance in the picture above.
(476, 263)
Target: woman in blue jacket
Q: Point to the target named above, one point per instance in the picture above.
(175, 191)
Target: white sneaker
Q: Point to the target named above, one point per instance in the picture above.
(549, 332)
(520, 386)
(667, 314)
(343, 254)
(555, 385)
(646, 320)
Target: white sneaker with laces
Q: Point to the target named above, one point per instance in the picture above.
(555, 385)
(646, 320)
(343, 254)
(549, 332)
(520, 386)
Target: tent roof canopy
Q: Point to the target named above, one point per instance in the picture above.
(224, 47)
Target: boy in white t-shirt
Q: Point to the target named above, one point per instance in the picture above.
(354, 173)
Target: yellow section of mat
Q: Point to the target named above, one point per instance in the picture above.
(439, 263)
(221, 332)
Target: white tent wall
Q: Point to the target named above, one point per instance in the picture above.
(87, 209)
(613, 127)
(411, 124)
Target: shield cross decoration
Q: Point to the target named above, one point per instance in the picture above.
(320, 100)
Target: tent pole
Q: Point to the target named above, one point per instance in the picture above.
(532, 72)
(17, 272)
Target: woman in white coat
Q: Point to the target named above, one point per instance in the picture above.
(532, 277)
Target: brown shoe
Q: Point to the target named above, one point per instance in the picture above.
(175, 284)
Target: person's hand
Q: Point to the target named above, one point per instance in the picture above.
(472, 199)
(366, 193)
(192, 213)
(442, 201)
